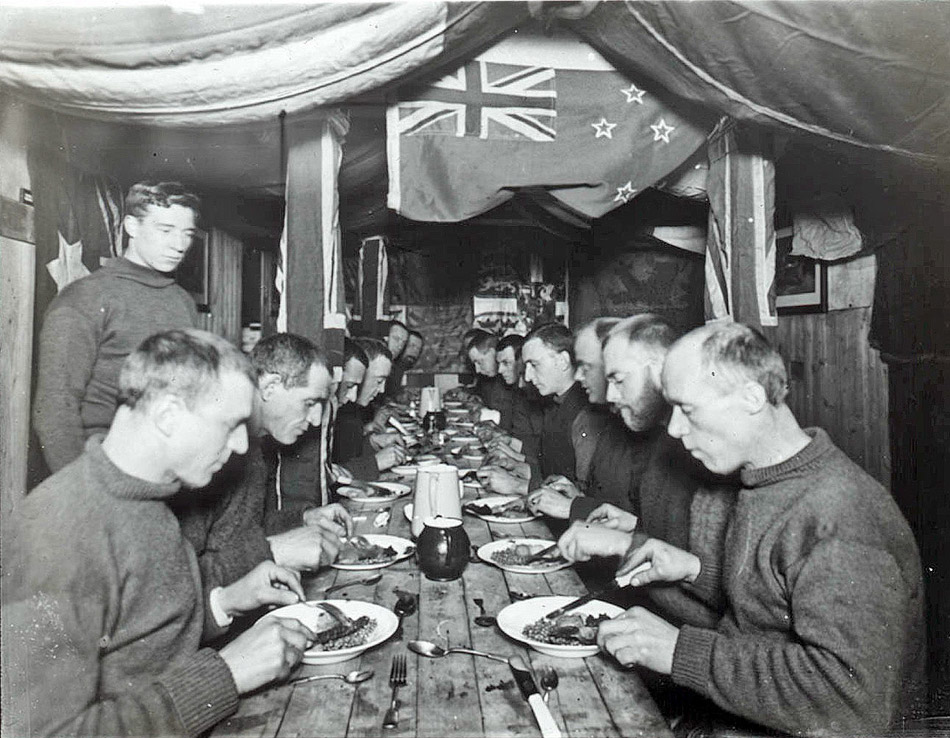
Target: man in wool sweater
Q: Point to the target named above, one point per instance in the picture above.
(668, 488)
(95, 322)
(103, 611)
(820, 582)
(242, 518)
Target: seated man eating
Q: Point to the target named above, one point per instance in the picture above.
(103, 612)
(820, 581)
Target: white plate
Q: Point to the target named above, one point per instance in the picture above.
(513, 618)
(462, 440)
(407, 511)
(485, 554)
(396, 490)
(386, 623)
(453, 404)
(496, 500)
(404, 549)
(405, 470)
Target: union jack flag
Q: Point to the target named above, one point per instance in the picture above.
(485, 100)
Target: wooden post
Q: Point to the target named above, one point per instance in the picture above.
(18, 256)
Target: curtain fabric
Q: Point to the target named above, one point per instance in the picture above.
(740, 250)
(163, 66)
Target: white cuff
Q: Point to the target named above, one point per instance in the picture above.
(217, 612)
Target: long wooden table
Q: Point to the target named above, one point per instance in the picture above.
(458, 694)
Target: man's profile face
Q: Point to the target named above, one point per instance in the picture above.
(375, 380)
(413, 351)
(210, 431)
(630, 386)
(349, 388)
(508, 365)
(289, 411)
(396, 340)
(706, 414)
(590, 366)
(485, 362)
(161, 237)
(543, 366)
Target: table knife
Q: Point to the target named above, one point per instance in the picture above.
(540, 554)
(618, 583)
(549, 728)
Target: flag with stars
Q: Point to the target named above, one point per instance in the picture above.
(533, 112)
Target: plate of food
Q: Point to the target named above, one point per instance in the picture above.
(372, 551)
(500, 509)
(373, 493)
(511, 554)
(405, 470)
(452, 404)
(572, 635)
(344, 628)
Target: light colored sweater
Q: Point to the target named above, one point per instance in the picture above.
(103, 609)
(823, 626)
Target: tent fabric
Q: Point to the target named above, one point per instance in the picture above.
(876, 74)
(159, 66)
(534, 111)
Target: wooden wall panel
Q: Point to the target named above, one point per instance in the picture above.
(16, 346)
(227, 265)
(838, 382)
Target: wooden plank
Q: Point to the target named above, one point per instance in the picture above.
(17, 221)
(16, 320)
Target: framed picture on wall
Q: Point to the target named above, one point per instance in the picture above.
(194, 272)
(801, 284)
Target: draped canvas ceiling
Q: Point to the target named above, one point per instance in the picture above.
(870, 73)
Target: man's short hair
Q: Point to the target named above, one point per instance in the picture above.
(374, 348)
(395, 324)
(184, 363)
(417, 334)
(741, 353)
(162, 194)
(512, 341)
(352, 350)
(482, 341)
(646, 329)
(600, 326)
(555, 336)
(288, 355)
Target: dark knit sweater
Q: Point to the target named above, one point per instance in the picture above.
(103, 602)
(556, 451)
(89, 329)
(823, 626)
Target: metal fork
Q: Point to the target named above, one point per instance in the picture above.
(397, 679)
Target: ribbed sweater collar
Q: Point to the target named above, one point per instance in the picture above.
(125, 269)
(119, 484)
(803, 461)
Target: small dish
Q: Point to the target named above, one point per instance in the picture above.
(389, 492)
(403, 547)
(496, 501)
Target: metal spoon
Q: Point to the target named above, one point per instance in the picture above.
(354, 677)
(432, 651)
(483, 620)
(342, 585)
(549, 681)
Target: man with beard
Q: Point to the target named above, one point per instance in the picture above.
(820, 581)
(672, 489)
(103, 596)
(609, 459)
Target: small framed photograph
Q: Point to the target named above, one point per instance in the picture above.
(801, 284)
(194, 272)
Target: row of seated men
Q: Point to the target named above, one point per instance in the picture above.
(785, 583)
(784, 586)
